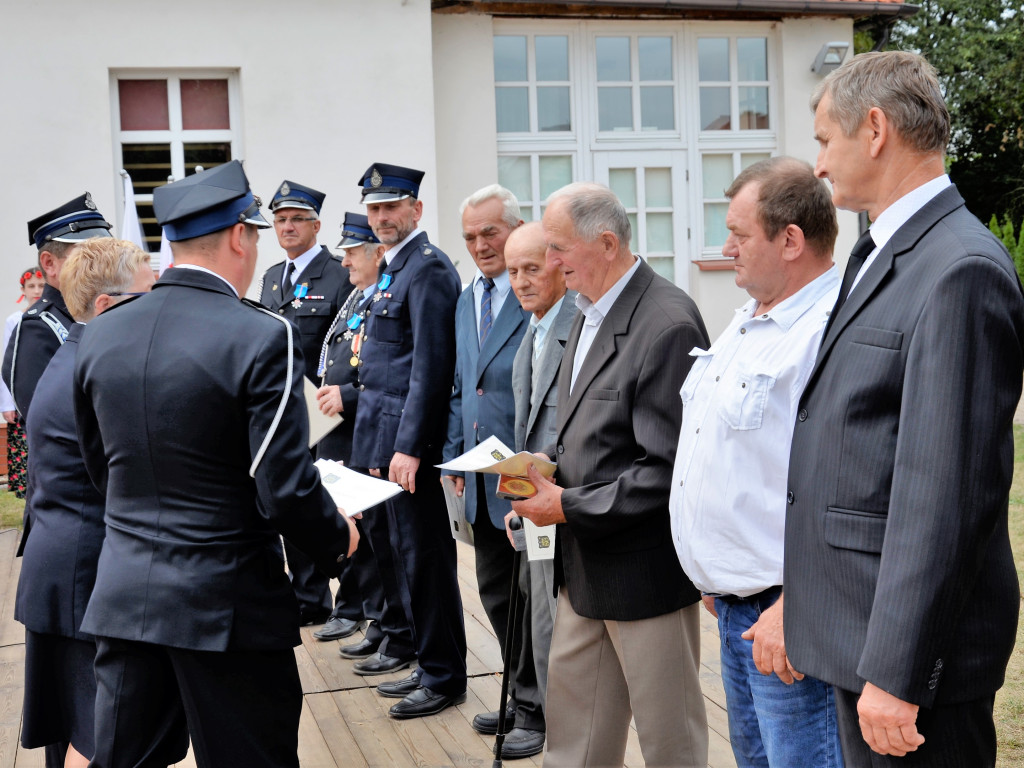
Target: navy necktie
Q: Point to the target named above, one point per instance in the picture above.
(286, 283)
(865, 245)
(485, 309)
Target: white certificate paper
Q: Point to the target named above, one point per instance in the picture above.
(352, 491)
(540, 541)
(456, 512)
(319, 424)
(494, 457)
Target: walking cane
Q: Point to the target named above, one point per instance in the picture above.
(516, 526)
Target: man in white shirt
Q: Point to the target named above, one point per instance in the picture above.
(728, 500)
(900, 584)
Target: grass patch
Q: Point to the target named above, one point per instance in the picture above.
(1009, 710)
(11, 510)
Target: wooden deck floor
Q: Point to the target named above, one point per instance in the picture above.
(344, 722)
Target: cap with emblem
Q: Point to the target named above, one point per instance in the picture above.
(292, 195)
(355, 230)
(207, 202)
(76, 220)
(384, 183)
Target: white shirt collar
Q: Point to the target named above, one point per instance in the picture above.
(900, 212)
(302, 261)
(598, 310)
(501, 282)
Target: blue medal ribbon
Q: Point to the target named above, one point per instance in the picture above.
(301, 291)
(385, 282)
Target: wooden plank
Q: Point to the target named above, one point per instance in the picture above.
(314, 751)
(12, 686)
(335, 731)
(11, 631)
(367, 716)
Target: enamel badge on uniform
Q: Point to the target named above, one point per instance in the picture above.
(285, 189)
(88, 202)
(376, 179)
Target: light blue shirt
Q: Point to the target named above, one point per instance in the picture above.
(542, 326)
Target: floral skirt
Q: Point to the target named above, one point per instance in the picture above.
(17, 457)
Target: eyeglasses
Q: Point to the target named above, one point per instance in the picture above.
(127, 293)
(292, 219)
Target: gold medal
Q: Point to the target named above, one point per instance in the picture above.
(354, 361)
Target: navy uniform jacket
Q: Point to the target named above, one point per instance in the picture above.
(35, 340)
(59, 565)
(408, 359)
(328, 285)
(482, 403)
(338, 370)
(174, 395)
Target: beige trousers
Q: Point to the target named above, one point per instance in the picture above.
(602, 673)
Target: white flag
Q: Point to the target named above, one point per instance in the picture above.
(166, 258)
(130, 228)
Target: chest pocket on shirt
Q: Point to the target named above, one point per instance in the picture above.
(386, 321)
(742, 396)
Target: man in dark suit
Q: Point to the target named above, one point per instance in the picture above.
(626, 641)
(388, 632)
(540, 288)
(489, 326)
(407, 364)
(199, 441)
(899, 580)
(45, 326)
(308, 288)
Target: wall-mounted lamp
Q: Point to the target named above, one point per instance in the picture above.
(829, 57)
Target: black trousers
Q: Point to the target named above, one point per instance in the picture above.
(312, 588)
(239, 707)
(955, 736)
(494, 557)
(382, 597)
(426, 568)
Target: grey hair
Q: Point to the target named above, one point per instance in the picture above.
(901, 84)
(510, 212)
(593, 209)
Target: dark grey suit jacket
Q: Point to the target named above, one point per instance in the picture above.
(537, 412)
(616, 443)
(898, 565)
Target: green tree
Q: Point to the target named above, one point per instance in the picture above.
(1015, 245)
(977, 46)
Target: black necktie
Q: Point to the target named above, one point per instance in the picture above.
(286, 283)
(865, 245)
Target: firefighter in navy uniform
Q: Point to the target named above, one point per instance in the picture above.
(44, 327)
(407, 365)
(309, 288)
(387, 644)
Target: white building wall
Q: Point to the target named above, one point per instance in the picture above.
(327, 87)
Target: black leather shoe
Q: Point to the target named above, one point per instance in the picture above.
(399, 689)
(379, 664)
(423, 702)
(309, 619)
(487, 722)
(337, 627)
(360, 650)
(522, 742)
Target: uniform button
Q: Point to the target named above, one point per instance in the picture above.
(359, 364)
(743, 330)
(330, 362)
(311, 311)
(802, 415)
(280, 311)
(339, 339)
(479, 391)
(561, 448)
(362, 387)
(384, 312)
(790, 498)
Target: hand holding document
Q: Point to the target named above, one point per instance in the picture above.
(494, 457)
(319, 424)
(352, 491)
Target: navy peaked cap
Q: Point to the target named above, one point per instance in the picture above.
(76, 220)
(383, 183)
(207, 202)
(292, 195)
(355, 230)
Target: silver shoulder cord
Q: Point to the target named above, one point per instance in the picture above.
(284, 395)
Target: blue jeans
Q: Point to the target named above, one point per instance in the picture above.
(771, 723)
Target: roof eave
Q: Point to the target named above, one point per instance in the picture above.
(731, 9)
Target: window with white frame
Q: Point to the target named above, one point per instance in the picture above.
(666, 113)
(167, 124)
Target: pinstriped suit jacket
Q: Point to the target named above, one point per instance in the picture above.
(617, 436)
(898, 566)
